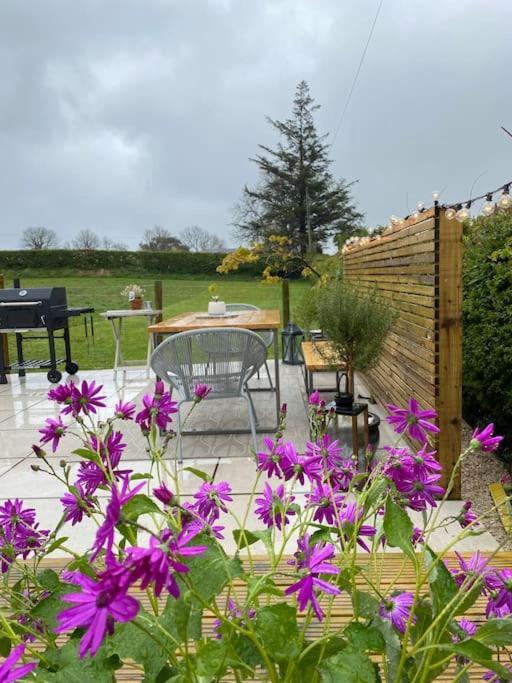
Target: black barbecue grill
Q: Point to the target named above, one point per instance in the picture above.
(36, 310)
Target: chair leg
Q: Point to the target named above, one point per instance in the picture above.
(251, 402)
(252, 421)
(179, 441)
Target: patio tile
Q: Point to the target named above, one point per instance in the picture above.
(16, 444)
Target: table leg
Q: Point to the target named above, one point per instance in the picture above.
(355, 440)
(116, 330)
(277, 381)
(151, 346)
(366, 430)
(3, 340)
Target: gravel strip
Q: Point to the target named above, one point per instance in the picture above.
(478, 471)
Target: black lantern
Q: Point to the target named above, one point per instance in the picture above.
(291, 338)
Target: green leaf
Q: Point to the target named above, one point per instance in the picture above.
(48, 608)
(480, 654)
(276, 628)
(349, 666)
(141, 475)
(212, 658)
(365, 604)
(56, 544)
(249, 537)
(210, 571)
(139, 505)
(398, 528)
(442, 584)
(198, 473)
(308, 666)
(86, 454)
(393, 650)
(130, 642)
(364, 638)
(182, 617)
(72, 669)
(5, 646)
(495, 632)
(48, 579)
(259, 585)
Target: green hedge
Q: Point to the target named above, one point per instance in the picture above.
(487, 321)
(168, 262)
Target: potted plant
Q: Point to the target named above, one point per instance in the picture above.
(135, 294)
(354, 320)
(215, 307)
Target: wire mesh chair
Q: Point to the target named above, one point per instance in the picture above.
(266, 335)
(224, 358)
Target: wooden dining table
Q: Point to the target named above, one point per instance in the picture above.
(257, 321)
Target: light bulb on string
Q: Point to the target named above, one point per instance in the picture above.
(463, 213)
(489, 207)
(450, 213)
(420, 206)
(435, 195)
(505, 201)
(415, 214)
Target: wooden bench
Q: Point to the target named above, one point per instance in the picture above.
(395, 569)
(319, 357)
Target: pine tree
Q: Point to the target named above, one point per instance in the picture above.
(297, 196)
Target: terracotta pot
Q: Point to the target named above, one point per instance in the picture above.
(136, 304)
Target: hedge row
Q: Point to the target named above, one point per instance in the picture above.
(171, 262)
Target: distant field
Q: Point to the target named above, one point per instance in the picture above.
(180, 296)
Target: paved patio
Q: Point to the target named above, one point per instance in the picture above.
(24, 407)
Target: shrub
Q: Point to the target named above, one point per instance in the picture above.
(487, 323)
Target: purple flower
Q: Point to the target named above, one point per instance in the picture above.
(105, 533)
(421, 491)
(63, 394)
(421, 464)
(157, 409)
(311, 562)
(296, 466)
(212, 497)
(418, 536)
(472, 570)
(163, 494)
(124, 410)
(484, 440)
(53, 431)
(413, 420)
(158, 564)
(85, 399)
(314, 398)
(349, 516)
(496, 678)
(76, 505)
(272, 508)
(500, 604)
(344, 473)
(233, 614)
(9, 672)
(327, 450)
(111, 450)
(467, 627)
(397, 610)
(270, 460)
(13, 514)
(201, 391)
(96, 608)
(327, 503)
(467, 517)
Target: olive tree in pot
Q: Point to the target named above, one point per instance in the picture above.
(355, 320)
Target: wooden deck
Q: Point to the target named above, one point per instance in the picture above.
(394, 569)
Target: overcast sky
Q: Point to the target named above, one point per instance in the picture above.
(116, 115)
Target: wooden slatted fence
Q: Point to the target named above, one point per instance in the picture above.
(417, 267)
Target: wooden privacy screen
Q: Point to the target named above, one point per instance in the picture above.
(418, 268)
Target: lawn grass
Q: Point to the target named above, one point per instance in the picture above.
(103, 293)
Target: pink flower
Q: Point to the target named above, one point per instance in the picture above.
(314, 398)
(96, 608)
(85, 399)
(9, 672)
(484, 440)
(413, 420)
(272, 508)
(269, 461)
(201, 391)
(329, 452)
(76, 505)
(124, 411)
(163, 494)
(212, 497)
(467, 516)
(157, 409)
(53, 431)
(326, 502)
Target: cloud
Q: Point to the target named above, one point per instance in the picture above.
(118, 114)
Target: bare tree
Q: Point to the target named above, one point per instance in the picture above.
(87, 240)
(110, 245)
(160, 239)
(39, 238)
(198, 239)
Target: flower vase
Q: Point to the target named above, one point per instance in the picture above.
(217, 308)
(136, 304)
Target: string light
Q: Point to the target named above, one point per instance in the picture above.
(505, 201)
(464, 213)
(450, 213)
(435, 195)
(489, 207)
(420, 206)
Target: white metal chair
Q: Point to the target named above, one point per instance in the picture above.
(224, 358)
(266, 335)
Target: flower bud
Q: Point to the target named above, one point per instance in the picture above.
(35, 468)
(62, 463)
(38, 451)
